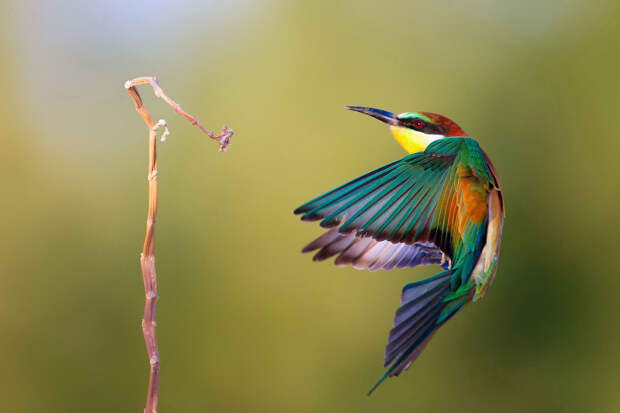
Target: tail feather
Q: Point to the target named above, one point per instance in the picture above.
(408, 357)
(414, 355)
(410, 309)
(410, 332)
(425, 306)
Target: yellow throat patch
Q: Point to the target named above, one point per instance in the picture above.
(412, 141)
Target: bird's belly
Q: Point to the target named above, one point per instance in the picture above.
(486, 266)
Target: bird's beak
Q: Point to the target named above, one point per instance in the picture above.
(382, 115)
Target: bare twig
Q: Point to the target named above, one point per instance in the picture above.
(147, 257)
(223, 137)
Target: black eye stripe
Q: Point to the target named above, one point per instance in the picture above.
(416, 124)
(423, 126)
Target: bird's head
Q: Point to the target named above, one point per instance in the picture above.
(414, 130)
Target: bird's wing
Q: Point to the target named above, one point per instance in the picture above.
(365, 252)
(410, 203)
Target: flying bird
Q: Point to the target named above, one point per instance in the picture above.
(441, 204)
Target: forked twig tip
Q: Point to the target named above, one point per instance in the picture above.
(166, 132)
(223, 138)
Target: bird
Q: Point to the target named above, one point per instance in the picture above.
(439, 205)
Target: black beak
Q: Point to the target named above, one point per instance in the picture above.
(382, 115)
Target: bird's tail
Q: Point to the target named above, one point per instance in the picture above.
(425, 306)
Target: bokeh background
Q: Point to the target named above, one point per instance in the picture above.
(246, 323)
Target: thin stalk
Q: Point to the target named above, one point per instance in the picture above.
(147, 257)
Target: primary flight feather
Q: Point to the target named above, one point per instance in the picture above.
(441, 204)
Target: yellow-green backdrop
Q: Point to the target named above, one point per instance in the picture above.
(246, 323)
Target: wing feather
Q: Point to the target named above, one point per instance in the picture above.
(403, 214)
(364, 252)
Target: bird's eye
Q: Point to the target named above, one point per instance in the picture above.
(418, 124)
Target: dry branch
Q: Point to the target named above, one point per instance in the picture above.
(147, 257)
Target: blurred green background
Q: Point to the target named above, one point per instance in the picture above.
(246, 323)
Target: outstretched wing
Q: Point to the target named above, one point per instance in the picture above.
(405, 208)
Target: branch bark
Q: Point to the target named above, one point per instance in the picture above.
(147, 257)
